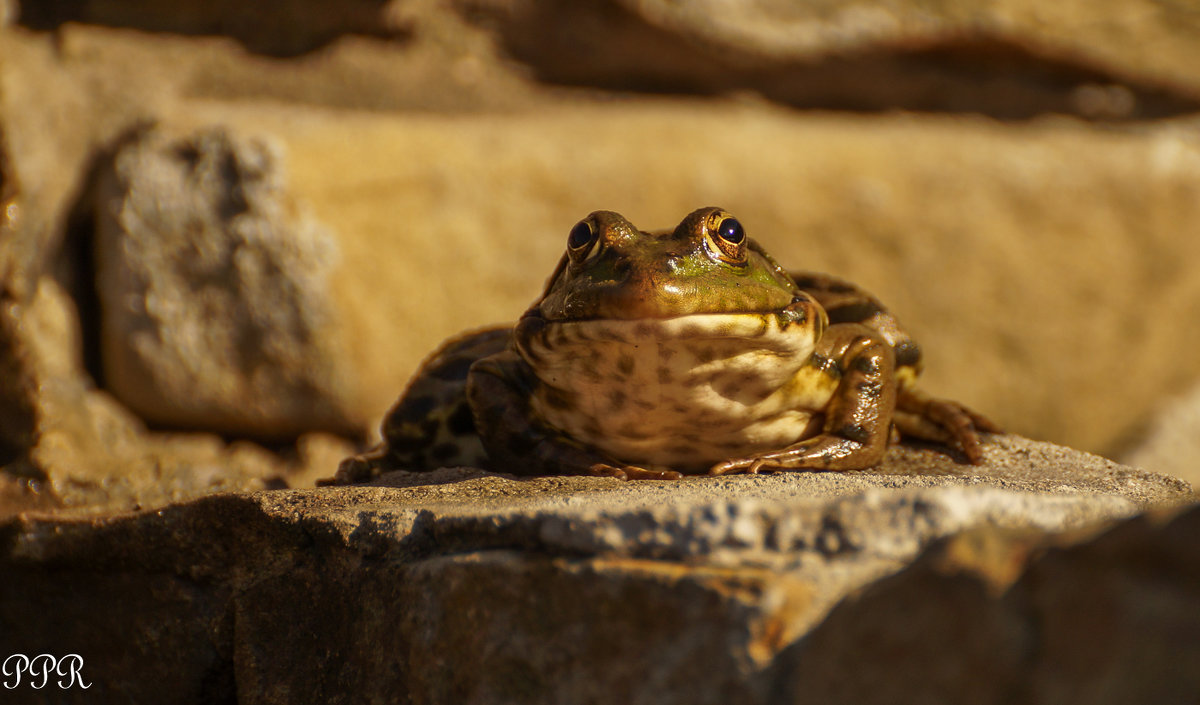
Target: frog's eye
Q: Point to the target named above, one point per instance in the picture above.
(731, 231)
(728, 237)
(581, 240)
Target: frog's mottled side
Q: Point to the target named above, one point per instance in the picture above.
(654, 354)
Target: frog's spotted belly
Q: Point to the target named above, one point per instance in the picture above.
(685, 392)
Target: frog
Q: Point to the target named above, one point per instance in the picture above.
(659, 355)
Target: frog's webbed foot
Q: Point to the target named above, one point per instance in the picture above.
(943, 421)
(632, 472)
(823, 452)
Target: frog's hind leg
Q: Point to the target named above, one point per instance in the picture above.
(858, 418)
(921, 416)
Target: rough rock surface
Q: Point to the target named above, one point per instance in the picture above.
(1112, 620)
(284, 27)
(1009, 59)
(214, 290)
(459, 586)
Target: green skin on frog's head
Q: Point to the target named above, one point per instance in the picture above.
(612, 270)
(675, 349)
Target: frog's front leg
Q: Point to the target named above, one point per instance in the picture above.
(517, 442)
(858, 417)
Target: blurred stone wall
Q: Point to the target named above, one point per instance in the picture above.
(241, 225)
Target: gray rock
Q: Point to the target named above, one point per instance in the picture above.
(468, 587)
(214, 290)
(1171, 444)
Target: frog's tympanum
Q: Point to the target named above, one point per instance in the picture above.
(655, 354)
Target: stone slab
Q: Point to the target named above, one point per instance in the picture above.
(463, 586)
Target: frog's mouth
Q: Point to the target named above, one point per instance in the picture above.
(794, 318)
(663, 289)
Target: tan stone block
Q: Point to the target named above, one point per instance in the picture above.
(1045, 267)
(1114, 59)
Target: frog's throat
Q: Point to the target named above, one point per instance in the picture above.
(786, 333)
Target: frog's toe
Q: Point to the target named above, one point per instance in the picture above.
(636, 473)
(606, 470)
(943, 421)
(632, 472)
(957, 433)
(749, 466)
(968, 440)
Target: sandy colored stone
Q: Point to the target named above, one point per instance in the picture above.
(1022, 257)
(75, 447)
(67, 97)
(1011, 59)
(63, 441)
(64, 101)
(1049, 254)
(90, 450)
(1011, 463)
(1046, 266)
(284, 27)
(214, 290)
(1098, 34)
(446, 65)
(58, 110)
(464, 586)
(1007, 59)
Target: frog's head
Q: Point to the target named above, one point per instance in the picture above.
(612, 270)
(643, 338)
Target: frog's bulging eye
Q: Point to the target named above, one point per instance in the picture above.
(731, 231)
(581, 239)
(728, 238)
